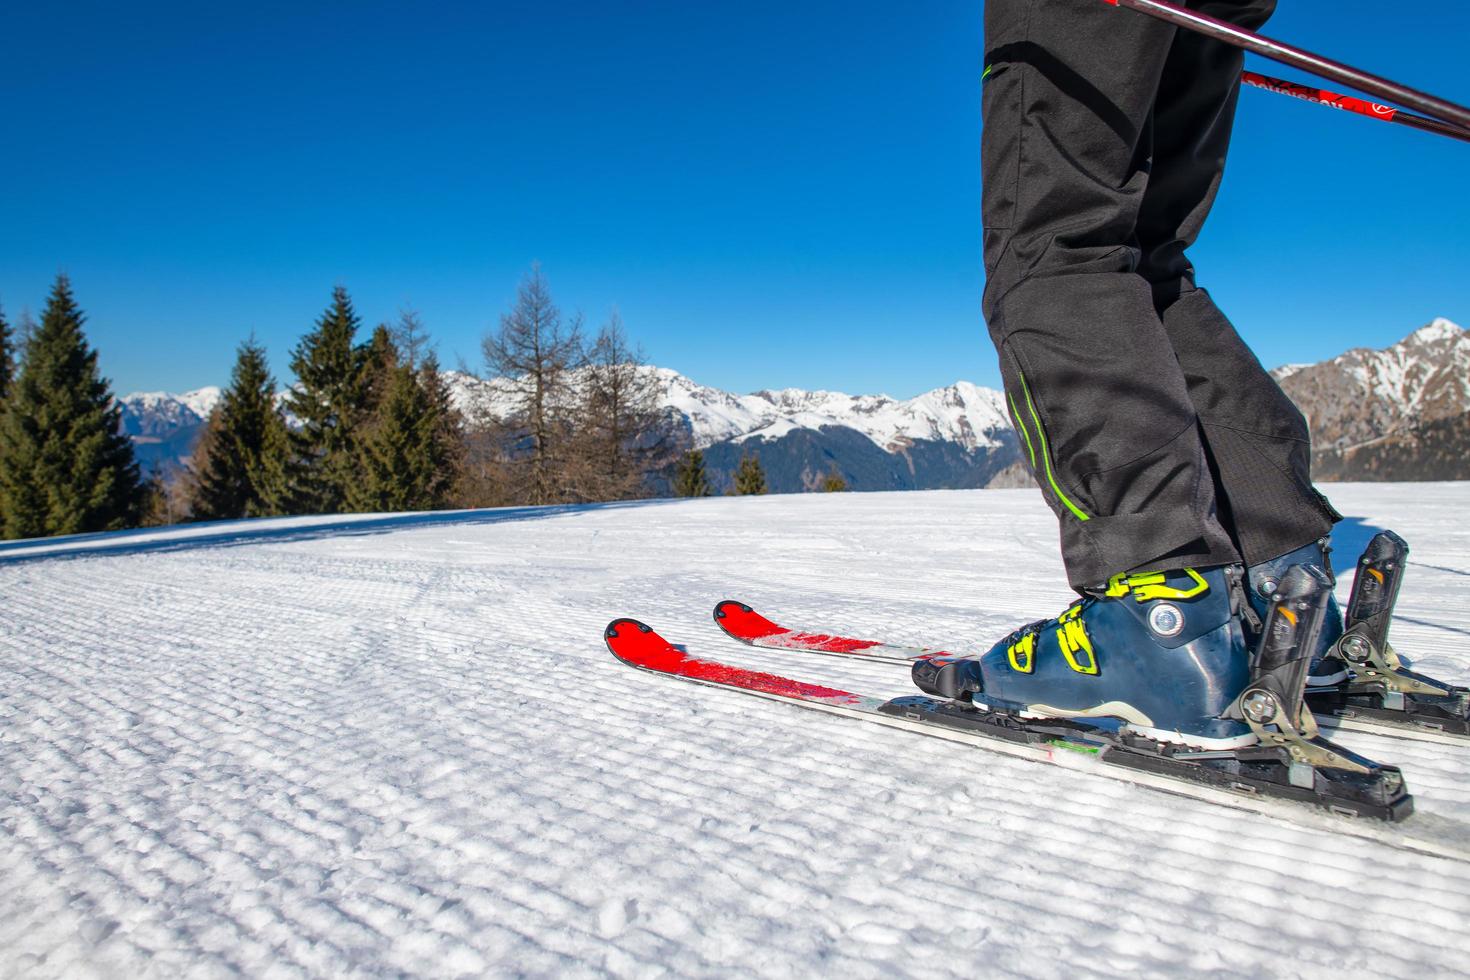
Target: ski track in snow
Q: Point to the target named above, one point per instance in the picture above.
(397, 746)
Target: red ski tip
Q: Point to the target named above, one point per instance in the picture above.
(611, 633)
(744, 623)
(638, 645)
(748, 626)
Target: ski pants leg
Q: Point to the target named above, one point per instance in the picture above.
(1256, 439)
(1103, 355)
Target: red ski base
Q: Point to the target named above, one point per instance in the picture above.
(639, 646)
(748, 626)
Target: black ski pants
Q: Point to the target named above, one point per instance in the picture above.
(1153, 431)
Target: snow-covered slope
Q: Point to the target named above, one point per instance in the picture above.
(395, 745)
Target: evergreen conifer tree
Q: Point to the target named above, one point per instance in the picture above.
(7, 359)
(446, 434)
(411, 454)
(379, 360)
(750, 478)
(273, 480)
(65, 467)
(689, 478)
(7, 376)
(834, 482)
(239, 464)
(396, 464)
(328, 403)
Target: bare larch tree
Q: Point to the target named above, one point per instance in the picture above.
(621, 434)
(536, 351)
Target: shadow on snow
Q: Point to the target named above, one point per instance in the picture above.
(229, 534)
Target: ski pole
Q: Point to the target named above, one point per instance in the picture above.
(1373, 110)
(1286, 54)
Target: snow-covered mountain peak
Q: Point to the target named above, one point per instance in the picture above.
(155, 414)
(202, 401)
(1287, 370)
(1365, 394)
(149, 399)
(962, 413)
(1436, 331)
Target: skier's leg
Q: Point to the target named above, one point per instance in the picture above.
(1095, 389)
(1093, 384)
(1256, 438)
(1111, 418)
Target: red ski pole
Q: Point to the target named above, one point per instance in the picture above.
(1382, 88)
(1373, 110)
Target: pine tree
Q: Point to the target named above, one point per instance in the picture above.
(379, 360)
(7, 358)
(65, 467)
(834, 482)
(750, 478)
(327, 402)
(411, 448)
(240, 462)
(274, 478)
(689, 478)
(445, 432)
(535, 351)
(396, 458)
(7, 377)
(410, 440)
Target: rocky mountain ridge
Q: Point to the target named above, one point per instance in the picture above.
(1364, 394)
(1400, 413)
(956, 436)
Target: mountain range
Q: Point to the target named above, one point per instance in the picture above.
(1402, 413)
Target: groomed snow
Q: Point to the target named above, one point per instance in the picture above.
(387, 746)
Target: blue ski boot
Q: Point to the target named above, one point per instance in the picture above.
(1163, 652)
(1328, 669)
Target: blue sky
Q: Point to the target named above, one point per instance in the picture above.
(772, 194)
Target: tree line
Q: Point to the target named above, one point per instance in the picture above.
(369, 426)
